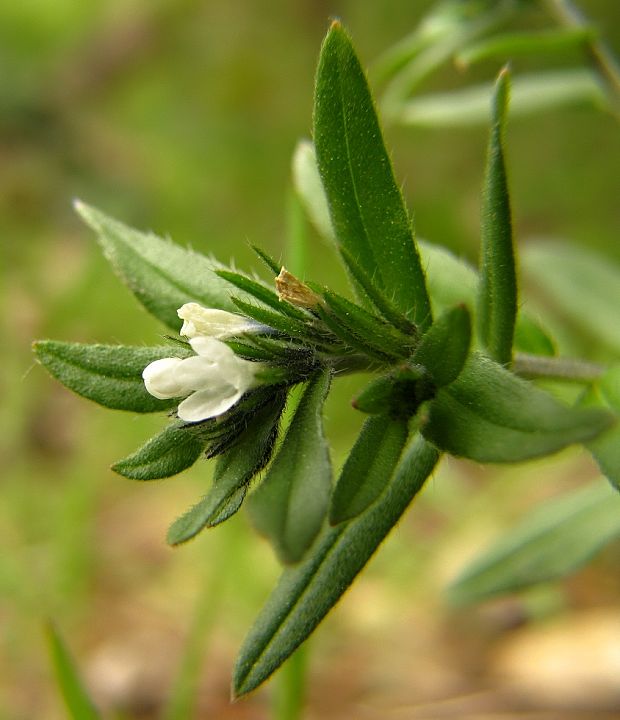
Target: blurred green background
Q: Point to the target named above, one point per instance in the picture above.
(181, 117)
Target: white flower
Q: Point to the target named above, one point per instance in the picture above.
(211, 381)
(208, 322)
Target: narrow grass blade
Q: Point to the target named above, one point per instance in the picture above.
(78, 703)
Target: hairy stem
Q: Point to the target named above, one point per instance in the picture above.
(538, 366)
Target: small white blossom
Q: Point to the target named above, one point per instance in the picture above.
(211, 381)
(208, 322)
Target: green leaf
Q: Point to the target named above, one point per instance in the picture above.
(351, 338)
(530, 94)
(163, 276)
(553, 541)
(580, 286)
(371, 330)
(249, 455)
(377, 298)
(450, 280)
(368, 469)
(289, 325)
(532, 338)
(78, 703)
(366, 205)
(444, 347)
(606, 448)
(511, 45)
(267, 259)
(110, 375)
(450, 26)
(306, 593)
(290, 504)
(489, 415)
(497, 291)
(397, 394)
(170, 452)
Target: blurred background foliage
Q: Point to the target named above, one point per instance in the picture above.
(181, 117)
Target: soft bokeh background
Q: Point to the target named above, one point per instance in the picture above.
(180, 117)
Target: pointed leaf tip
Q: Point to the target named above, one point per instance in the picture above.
(366, 206)
(498, 291)
(163, 276)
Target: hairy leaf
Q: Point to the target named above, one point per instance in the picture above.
(110, 375)
(490, 415)
(162, 275)
(376, 297)
(372, 330)
(497, 292)
(234, 470)
(284, 323)
(290, 504)
(306, 593)
(267, 259)
(397, 394)
(444, 347)
(552, 541)
(369, 467)
(366, 205)
(170, 452)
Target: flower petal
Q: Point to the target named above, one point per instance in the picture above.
(215, 350)
(208, 403)
(209, 322)
(233, 369)
(160, 378)
(196, 373)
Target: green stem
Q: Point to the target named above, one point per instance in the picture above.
(601, 57)
(291, 688)
(538, 367)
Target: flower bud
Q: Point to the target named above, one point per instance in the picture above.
(209, 322)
